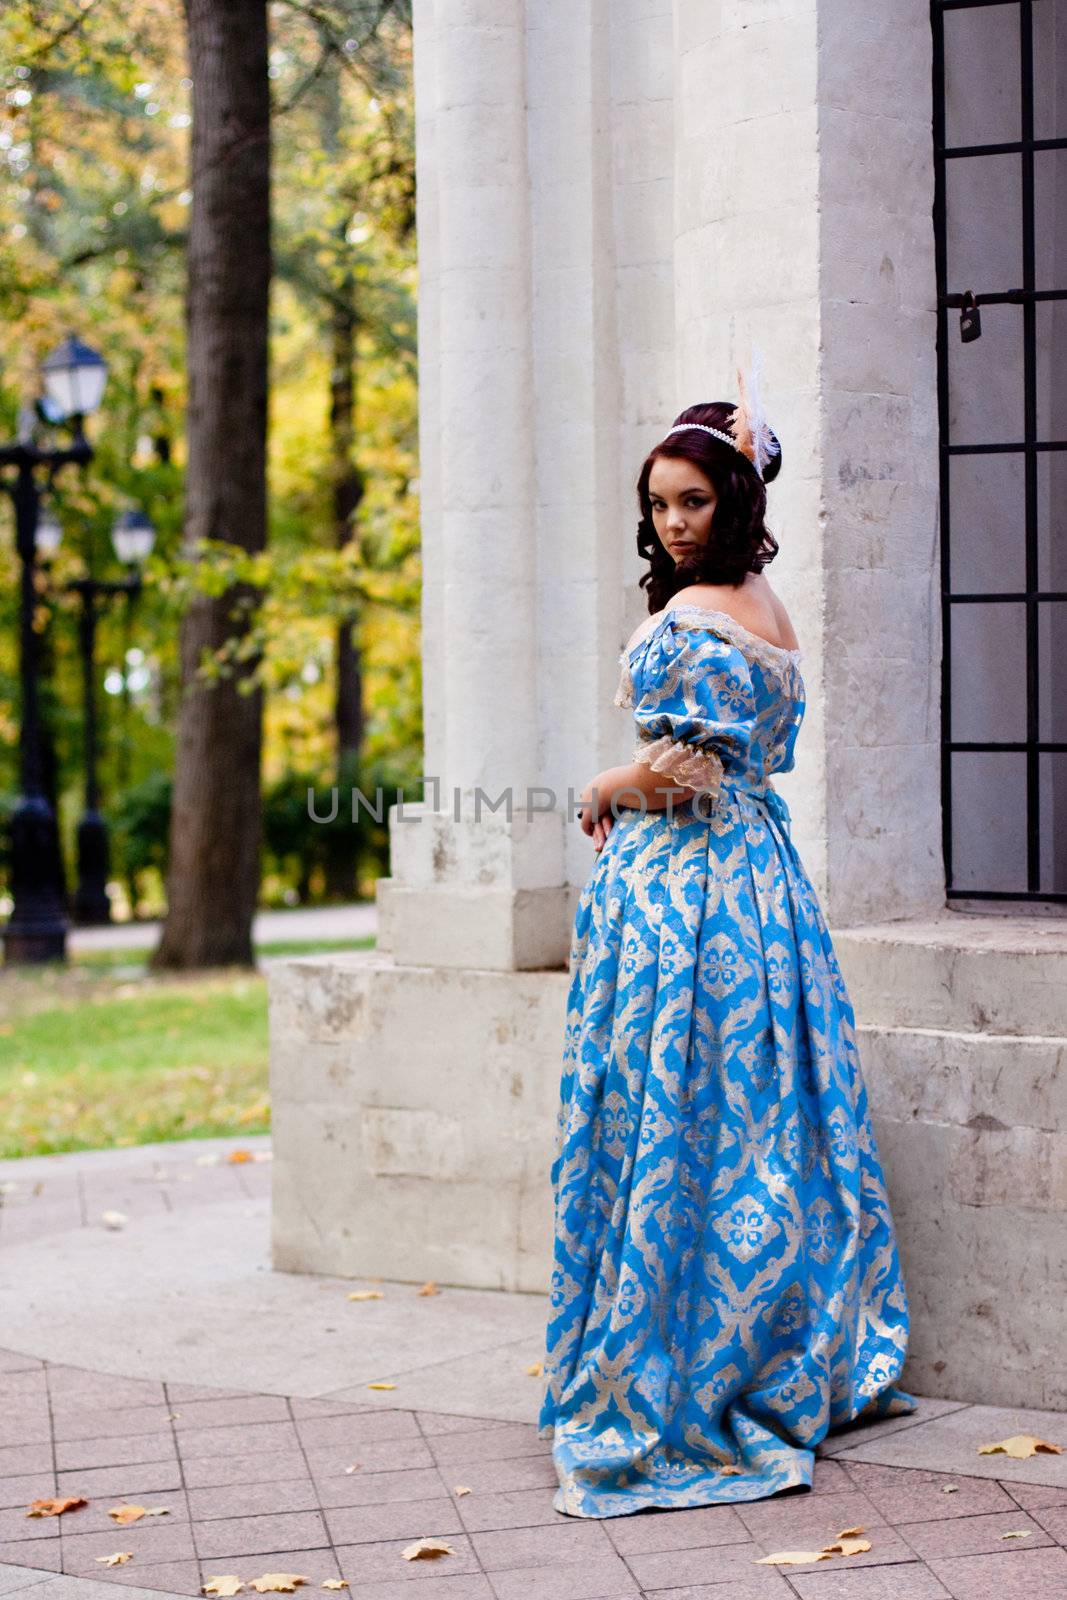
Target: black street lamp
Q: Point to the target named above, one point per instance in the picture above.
(133, 536)
(74, 378)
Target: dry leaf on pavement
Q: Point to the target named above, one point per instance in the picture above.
(365, 1294)
(357, 1466)
(847, 1543)
(427, 1550)
(278, 1582)
(460, 1489)
(950, 1488)
(848, 1547)
(236, 1156)
(1019, 1446)
(429, 1288)
(53, 1508)
(381, 1386)
(114, 1219)
(793, 1558)
(119, 1558)
(335, 1583)
(227, 1583)
(1021, 1533)
(535, 1371)
(126, 1514)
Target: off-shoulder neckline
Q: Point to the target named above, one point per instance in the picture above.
(794, 654)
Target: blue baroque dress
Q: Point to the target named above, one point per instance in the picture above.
(726, 1286)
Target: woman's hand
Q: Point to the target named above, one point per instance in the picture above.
(602, 829)
(597, 821)
(635, 786)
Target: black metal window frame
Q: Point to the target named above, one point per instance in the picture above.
(950, 298)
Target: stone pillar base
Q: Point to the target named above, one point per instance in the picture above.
(963, 1038)
(414, 1113)
(505, 930)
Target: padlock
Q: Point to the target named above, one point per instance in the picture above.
(970, 318)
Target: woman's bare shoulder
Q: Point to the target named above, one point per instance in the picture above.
(753, 604)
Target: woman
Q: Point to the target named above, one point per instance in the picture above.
(727, 1286)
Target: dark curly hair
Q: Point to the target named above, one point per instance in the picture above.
(740, 540)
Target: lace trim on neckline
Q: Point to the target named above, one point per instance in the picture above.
(725, 624)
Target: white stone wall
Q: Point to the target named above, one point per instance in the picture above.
(616, 202)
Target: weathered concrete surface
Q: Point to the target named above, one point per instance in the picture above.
(185, 1291)
(414, 1110)
(414, 1118)
(963, 1035)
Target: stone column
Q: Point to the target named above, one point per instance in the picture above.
(803, 226)
(476, 881)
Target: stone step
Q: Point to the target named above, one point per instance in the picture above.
(999, 975)
(984, 1082)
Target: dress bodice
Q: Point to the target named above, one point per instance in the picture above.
(704, 688)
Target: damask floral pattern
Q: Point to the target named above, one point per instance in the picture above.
(726, 1286)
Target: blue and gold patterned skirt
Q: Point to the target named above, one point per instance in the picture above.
(726, 1286)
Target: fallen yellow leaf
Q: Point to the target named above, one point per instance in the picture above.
(54, 1508)
(381, 1386)
(127, 1514)
(114, 1219)
(228, 1583)
(1019, 1446)
(427, 1550)
(335, 1583)
(460, 1489)
(278, 1582)
(950, 1488)
(1023, 1533)
(366, 1294)
(357, 1466)
(793, 1558)
(535, 1371)
(429, 1288)
(119, 1558)
(847, 1543)
(848, 1547)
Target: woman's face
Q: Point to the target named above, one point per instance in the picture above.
(683, 503)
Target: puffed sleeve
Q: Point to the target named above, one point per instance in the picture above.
(694, 707)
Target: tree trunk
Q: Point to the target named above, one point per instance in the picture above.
(347, 492)
(216, 818)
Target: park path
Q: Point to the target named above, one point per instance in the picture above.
(358, 921)
(161, 1361)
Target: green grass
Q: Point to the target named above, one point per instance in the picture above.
(101, 1052)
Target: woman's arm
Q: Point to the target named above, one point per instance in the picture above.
(636, 778)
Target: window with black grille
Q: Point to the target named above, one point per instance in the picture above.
(1000, 145)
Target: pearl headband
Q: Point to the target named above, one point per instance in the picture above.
(749, 433)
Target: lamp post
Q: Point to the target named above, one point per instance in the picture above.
(133, 537)
(74, 377)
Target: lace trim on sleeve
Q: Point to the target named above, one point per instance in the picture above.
(682, 763)
(624, 694)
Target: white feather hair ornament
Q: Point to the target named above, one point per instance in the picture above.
(748, 425)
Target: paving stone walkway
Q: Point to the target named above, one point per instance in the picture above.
(302, 1468)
